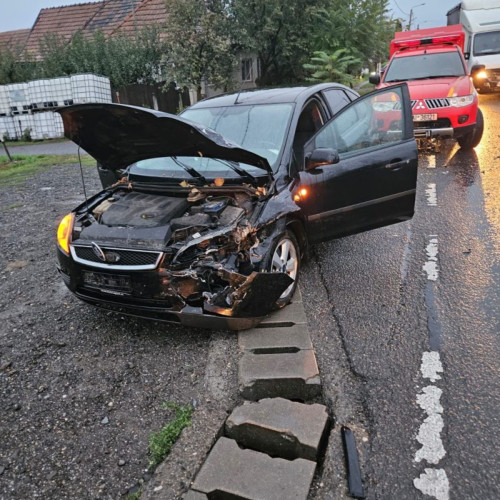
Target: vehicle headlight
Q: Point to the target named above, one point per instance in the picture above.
(64, 232)
(464, 100)
(482, 75)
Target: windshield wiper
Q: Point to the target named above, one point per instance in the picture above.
(190, 170)
(395, 80)
(233, 165)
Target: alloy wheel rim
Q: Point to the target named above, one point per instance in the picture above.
(285, 261)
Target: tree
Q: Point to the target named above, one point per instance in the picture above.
(361, 26)
(281, 33)
(15, 67)
(200, 43)
(331, 68)
(124, 60)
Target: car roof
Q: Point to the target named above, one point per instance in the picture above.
(266, 96)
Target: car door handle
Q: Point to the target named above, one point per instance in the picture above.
(396, 165)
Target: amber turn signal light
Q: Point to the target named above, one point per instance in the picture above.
(301, 194)
(64, 232)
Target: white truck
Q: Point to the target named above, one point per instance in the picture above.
(481, 22)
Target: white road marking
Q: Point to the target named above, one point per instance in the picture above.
(431, 365)
(429, 434)
(431, 194)
(432, 162)
(431, 266)
(434, 482)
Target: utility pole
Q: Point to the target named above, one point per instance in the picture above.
(410, 21)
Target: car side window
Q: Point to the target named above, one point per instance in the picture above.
(337, 99)
(311, 120)
(367, 124)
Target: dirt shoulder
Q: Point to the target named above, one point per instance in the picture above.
(83, 389)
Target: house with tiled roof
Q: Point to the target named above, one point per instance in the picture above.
(149, 12)
(14, 41)
(112, 18)
(112, 14)
(65, 21)
(62, 21)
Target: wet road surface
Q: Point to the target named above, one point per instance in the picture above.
(406, 325)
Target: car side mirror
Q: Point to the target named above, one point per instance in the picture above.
(374, 79)
(476, 69)
(320, 157)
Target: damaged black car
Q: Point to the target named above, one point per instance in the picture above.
(205, 217)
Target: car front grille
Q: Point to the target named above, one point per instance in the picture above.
(437, 103)
(123, 259)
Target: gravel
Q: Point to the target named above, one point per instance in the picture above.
(82, 389)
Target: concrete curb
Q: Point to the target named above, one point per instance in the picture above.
(271, 447)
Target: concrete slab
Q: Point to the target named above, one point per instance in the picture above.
(275, 339)
(289, 375)
(249, 475)
(292, 313)
(194, 495)
(280, 428)
(297, 296)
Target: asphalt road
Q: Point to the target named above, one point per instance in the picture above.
(46, 148)
(406, 323)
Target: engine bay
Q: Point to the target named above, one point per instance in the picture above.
(183, 226)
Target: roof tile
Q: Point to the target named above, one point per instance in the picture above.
(14, 40)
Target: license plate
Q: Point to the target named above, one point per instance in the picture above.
(109, 283)
(425, 118)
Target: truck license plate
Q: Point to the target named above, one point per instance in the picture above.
(425, 118)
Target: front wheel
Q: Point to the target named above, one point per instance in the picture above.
(284, 257)
(474, 138)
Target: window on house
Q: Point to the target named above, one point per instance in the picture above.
(246, 70)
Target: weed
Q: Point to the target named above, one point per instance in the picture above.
(161, 442)
(26, 135)
(134, 496)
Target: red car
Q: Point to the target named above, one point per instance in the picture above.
(444, 100)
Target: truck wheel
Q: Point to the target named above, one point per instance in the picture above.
(284, 256)
(474, 138)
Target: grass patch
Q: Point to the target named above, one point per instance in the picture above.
(24, 166)
(161, 442)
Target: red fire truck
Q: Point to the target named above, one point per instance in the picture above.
(444, 100)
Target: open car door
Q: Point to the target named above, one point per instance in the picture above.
(360, 169)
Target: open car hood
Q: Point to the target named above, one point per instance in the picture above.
(117, 136)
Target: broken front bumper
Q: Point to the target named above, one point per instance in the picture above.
(213, 298)
(193, 317)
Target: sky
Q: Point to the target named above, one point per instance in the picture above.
(18, 14)
(429, 15)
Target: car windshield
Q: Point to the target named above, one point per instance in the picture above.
(487, 43)
(424, 66)
(260, 129)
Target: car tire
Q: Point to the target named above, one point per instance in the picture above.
(471, 140)
(285, 251)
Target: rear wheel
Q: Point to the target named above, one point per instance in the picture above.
(474, 138)
(284, 257)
